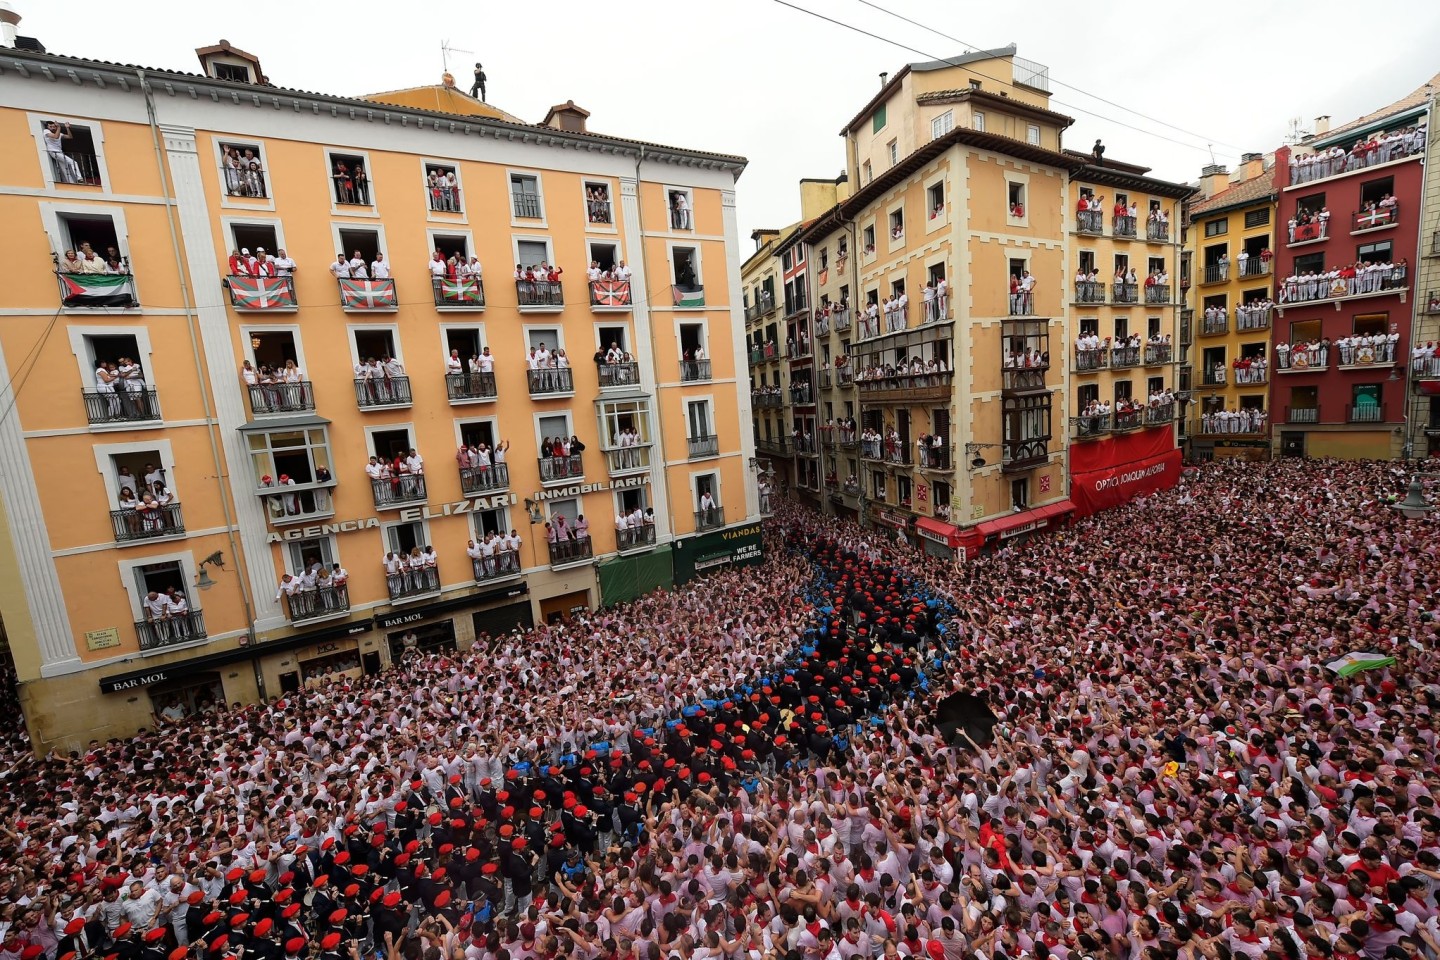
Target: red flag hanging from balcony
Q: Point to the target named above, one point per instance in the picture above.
(367, 294)
(464, 290)
(261, 293)
(610, 293)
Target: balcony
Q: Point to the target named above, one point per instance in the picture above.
(551, 382)
(470, 387)
(1022, 304)
(931, 457)
(1216, 273)
(1312, 231)
(827, 379)
(801, 395)
(1157, 232)
(170, 631)
(711, 519)
(1157, 354)
(1159, 413)
(1089, 360)
(756, 356)
(1020, 455)
(1125, 356)
(375, 393)
(703, 446)
(1366, 413)
(1302, 414)
(1233, 423)
(540, 296)
(763, 304)
(1024, 378)
(1254, 317)
(500, 565)
(97, 290)
(1126, 293)
(1128, 419)
(767, 400)
(1089, 291)
(368, 296)
(1215, 322)
(561, 469)
(694, 371)
(121, 406)
(779, 446)
(1336, 162)
(525, 206)
(609, 295)
(465, 293)
(844, 377)
(81, 169)
(1123, 227)
(299, 503)
(1089, 427)
(475, 481)
(1158, 293)
(1214, 376)
(1307, 359)
(922, 387)
(317, 604)
(262, 294)
(1368, 283)
(806, 445)
(401, 491)
(635, 538)
(621, 461)
(154, 523)
(1434, 244)
(271, 398)
(567, 552)
(1432, 303)
(799, 350)
(619, 375)
(413, 583)
(851, 488)
(1376, 218)
(841, 319)
(1091, 222)
(443, 195)
(1253, 267)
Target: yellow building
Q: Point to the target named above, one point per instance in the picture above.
(1126, 243)
(265, 478)
(1229, 287)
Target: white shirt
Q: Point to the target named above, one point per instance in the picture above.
(340, 269)
(487, 363)
(380, 270)
(357, 269)
(437, 267)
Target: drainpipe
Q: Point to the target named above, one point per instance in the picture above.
(167, 190)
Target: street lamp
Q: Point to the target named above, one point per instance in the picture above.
(1415, 505)
(972, 450)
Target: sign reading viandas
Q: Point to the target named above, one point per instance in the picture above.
(708, 552)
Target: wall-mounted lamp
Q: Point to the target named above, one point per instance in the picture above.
(533, 509)
(203, 580)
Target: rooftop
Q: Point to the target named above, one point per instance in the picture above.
(924, 66)
(1241, 194)
(1418, 97)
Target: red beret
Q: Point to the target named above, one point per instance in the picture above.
(293, 945)
(442, 898)
(257, 876)
(331, 941)
(124, 930)
(290, 911)
(263, 927)
(235, 921)
(235, 874)
(392, 899)
(74, 926)
(338, 916)
(156, 935)
(237, 897)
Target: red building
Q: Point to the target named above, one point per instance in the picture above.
(1348, 239)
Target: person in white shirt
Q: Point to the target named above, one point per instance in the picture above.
(177, 611)
(380, 267)
(707, 508)
(156, 606)
(284, 265)
(106, 380)
(341, 267)
(437, 265)
(357, 267)
(454, 366)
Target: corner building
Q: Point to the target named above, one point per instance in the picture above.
(176, 173)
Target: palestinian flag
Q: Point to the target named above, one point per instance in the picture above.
(467, 290)
(1359, 661)
(367, 294)
(688, 296)
(262, 293)
(97, 290)
(610, 293)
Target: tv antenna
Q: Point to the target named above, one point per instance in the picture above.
(446, 50)
(1297, 131)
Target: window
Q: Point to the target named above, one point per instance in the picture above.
(1032, 134)
(1310, 263)
(697, 415)
(598, 208)
(604, 255)
(372, 343)
(451, 245)
(1020, 494)
(1086, 395)
(164, 578)
(405, 537)
(1122, 328)
(242, 170)
(1374, 191)
(893, 150)
(1374, 252)
(532, 253)
(877, 121)
(70, 148)
(140, 471)
(1304, 331)
(1369, 324)
(877, 485)
(1152, 327)
(302, 455)
(391, 443)
(942, 124)
(631, 417)
(935, 197)
(350, 181)
(1257, 218)
(686, 265)
(359, 241)
(254, 237)
(233, 72)
(865, 169)
(486, 522)
(681, 205)
(442, 188)
(96, 232)
(897, 224)
(1366, 401)
(304, 554)
(525, 198)
(1215, 228)
(1087, 261)
(1017, 200)
(867, 237)
(1122, 390)
(977, 121)
(1090, 326)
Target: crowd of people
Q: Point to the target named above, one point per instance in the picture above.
(916, 372)
(748, 767)
(1233, 420)
(398, 478)
(1347, 280)
(87, 260)
(1371, 150)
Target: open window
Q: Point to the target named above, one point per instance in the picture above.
(680, 204)
(1374, 191)
(604, 255)
(391, 442)
(615, 337)
(373, 343)
(242, 169)
(349, 178)
(695, 360)
(452, 245)
(85, 233)
(867, 238)
(363, 242)
(598, 206)
(71, 152)
(254, 237)
(935, 199)
(1016, 194)
(897, 224)
(442, 188)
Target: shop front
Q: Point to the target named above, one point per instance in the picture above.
(940, 539)
(738, 546)
(566, 606)
(898, 525)
(441, 626)
(1008, 530)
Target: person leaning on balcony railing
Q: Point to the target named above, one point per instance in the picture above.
(379, 268)
(90, 261)
(340, 268)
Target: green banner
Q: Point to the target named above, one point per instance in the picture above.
(740, 546)
(627, 578)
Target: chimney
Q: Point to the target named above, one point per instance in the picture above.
(1252, 165)
(566, 116)
(1214, 178)
(883, 77)
(1322, 125)
(9, 23)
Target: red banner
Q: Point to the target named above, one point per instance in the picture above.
(1121, 448)
(1103, 489)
